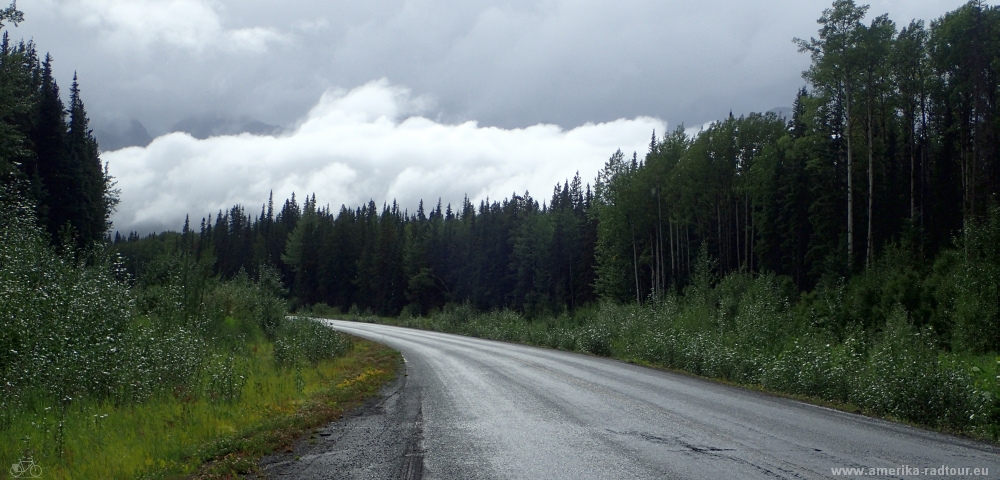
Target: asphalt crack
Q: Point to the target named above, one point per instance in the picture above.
(673, 441)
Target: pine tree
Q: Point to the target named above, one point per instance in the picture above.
(55, 173)
(16, 64)
(91, 209)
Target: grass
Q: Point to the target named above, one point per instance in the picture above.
(181, 434)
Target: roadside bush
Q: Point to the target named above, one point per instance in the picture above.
(258, 304)
(907, 378)
(977, 300)
(158, 361)
(322, 310)
(65, 326)
(306, 341)
(815, 364)
(226, 375)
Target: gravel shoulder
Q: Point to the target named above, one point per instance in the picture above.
(381, 439)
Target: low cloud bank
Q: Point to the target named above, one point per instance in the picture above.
(368, 143)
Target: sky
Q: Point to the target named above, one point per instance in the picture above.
(405, 99)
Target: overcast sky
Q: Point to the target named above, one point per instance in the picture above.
(407, 99)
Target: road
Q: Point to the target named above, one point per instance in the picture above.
(476, 409)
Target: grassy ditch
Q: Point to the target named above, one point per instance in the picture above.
(342, 385)
(183, 433)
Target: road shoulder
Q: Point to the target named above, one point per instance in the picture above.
(381, 439)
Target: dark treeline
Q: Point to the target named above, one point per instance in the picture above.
(515, 253)
(48, 150)
(892, 146)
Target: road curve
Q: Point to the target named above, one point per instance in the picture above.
(498, 410)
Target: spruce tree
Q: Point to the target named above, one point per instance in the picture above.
(90, 209)
(48, 136)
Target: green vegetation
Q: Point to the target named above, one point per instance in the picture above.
(48, 151)
(340, 385)
(181, 434)
(101, 380)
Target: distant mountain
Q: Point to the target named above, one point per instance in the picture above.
(111, 136)
(217, 125)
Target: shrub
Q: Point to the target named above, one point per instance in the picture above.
(977, 300)
(304, 340)
(226, 375)
(65, 328)
(906, 377)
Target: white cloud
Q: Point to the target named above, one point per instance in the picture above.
(355, 146)
(194, 25)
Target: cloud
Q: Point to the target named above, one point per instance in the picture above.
(190, 24)
(354, 146)
(507, 63)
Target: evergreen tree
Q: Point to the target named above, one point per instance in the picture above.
(91, 205)
(16, 93)
(59, 192)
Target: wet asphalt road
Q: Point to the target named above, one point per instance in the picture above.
(476, 409)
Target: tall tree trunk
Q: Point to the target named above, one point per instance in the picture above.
(850, 185)
(673, 263)
(923, 176)
(753, 239)
(659, 240)
(923, 154)
(913, 175)
(652, 267)
(635, 262)
(687, 232)
(965, 184)
(748, 232)
(736, 218)
(870, 247)
(718, 224)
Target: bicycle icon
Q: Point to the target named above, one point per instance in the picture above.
(26, 469)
